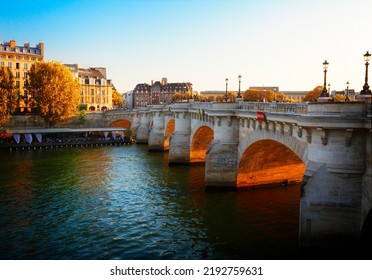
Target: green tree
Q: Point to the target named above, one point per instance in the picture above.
(313, 95)
(8, 95)
(117, 99)
(54, 90)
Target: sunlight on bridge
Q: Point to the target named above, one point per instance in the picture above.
(200, 143)
(121, 123)
(268, 162)
(168, 133)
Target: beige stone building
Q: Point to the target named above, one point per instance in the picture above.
(95, 88)
(19, 59)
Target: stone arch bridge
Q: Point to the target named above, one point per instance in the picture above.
(325, 146)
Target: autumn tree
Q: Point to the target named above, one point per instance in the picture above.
(117, 99)
(176, 97)
(258, 95)
(8, 95)
(55, 91)
(232, 96)
(313, 95)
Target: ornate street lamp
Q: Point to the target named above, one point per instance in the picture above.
(226, 96)
(366, 89)
(324, 91)
(240, 79)
(347, 92)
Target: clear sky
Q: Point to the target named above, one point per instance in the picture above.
(270, 43)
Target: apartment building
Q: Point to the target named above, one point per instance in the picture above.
(95, 88)
(19, 59)
(159, 92)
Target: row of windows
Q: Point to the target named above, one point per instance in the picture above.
(97, 82)
(23, 50)
(17, 65)
(92, 91)
(20, 58)
(93, 100)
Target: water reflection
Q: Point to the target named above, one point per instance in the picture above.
(125, 203)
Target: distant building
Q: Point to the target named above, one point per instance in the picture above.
(212, 94)
(128, 99)
(274, 89)
(343, 92)
(19, 59)
(158, 92)
(295, 94)
(95, 88)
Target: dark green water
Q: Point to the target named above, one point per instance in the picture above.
(123, 202)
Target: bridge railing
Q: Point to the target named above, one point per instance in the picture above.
(294, 108)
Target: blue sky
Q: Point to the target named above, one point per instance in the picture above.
(270, 43)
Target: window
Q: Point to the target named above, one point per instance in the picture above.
(25, 75)
(18, 57)
(9, 64)
(17, 65)
(25, 66)
(2, 63)
(92, 91)
(92, 100)
(18, 75)
(17, 84)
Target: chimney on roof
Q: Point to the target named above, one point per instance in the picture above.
(164, 81)
(12, 44)
(27, 45)
(152, 82)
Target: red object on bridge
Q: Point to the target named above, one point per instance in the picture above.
(260, 116)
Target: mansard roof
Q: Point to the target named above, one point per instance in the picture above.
(91, 72)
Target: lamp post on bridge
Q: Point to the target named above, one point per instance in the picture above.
(324, 91)
(347, 92)
(366, 89)
(240, 79)
(226, 96)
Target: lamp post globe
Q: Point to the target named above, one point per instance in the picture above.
(366, 90)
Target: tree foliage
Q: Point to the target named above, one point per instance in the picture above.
(313, 95)
(176, 97)
(117, 99)
(258, 95)
(55, 91)
(8, 95)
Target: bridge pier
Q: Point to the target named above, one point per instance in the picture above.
(143, 130)
(179, 152)
(331, 192)
(157, 132)
(221, 165)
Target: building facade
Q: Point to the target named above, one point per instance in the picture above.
(95, 88)
(159, 92)
(20, 59)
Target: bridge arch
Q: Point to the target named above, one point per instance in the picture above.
(200, 143)
(297, 146)
(121, 123)
(268, 162)
(169, 129)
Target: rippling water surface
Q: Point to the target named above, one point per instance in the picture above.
(123, 202)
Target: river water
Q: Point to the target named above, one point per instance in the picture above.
(122, 202)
